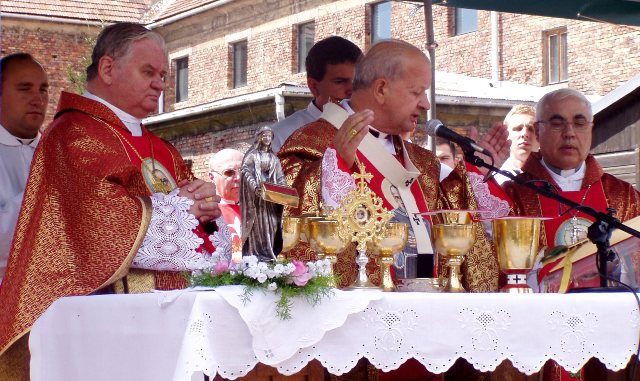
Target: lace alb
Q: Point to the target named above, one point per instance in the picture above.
(170, 243)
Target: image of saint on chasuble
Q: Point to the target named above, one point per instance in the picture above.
(413, 172)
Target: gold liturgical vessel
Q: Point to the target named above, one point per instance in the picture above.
(290, 232)
(361, 217)
(385, 245)
(453, 235)
(517, 241)
(324, 239)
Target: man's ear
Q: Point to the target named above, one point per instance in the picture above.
(106, 67)
(380, 90)
(536, 130)
(313, 86)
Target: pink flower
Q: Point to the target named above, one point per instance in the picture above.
(301, 274)
(220, 267)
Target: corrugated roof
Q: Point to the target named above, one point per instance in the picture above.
(90, 10)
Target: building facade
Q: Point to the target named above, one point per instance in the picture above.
(238, 64)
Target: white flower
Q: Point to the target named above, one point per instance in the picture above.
(272, 286)
(278, 268)
(261, 278)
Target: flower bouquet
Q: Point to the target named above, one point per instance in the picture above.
(312, 281)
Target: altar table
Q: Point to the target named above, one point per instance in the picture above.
(179, 335)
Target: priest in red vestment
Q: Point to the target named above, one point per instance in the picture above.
(388, 98)
(564, 126)
(108, 205)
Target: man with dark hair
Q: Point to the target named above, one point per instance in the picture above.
(446, 154)
(24, 96)
(330, 67)
(109, 207)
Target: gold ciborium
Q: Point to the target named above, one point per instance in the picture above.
(453, 235)
(517, 242)
(390, 241)
(323, 235)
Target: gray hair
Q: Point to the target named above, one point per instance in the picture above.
(115, 40)
(385, 59)
(558, 95)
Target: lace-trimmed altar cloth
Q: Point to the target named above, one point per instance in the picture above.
(179, 336)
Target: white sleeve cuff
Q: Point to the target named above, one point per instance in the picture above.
(170, 243)
(335, 182)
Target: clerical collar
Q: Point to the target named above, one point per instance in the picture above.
(7, 139)
(132, 123)
(563, 172)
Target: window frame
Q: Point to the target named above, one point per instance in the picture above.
(375, 11)
(179, 97)
(459, 19)
(302, 49)
(235, 81)
(562, 56)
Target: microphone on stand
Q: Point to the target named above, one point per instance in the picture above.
(436, 128)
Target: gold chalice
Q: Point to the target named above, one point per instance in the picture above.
(453, 235)
(305, 219)
(324, 236)
(517, 242)
(393, 239)
(290, 232)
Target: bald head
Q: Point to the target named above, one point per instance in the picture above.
(386, 59)
(224, 171)
(391, 80)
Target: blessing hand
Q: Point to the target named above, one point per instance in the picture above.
(351, 133)
(496, 142)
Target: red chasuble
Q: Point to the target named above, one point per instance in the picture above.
(84, 216)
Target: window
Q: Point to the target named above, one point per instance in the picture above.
(182, 79)
(466, 21)
(380, 21)
(239, 64)
(306, 34)
(556, 56)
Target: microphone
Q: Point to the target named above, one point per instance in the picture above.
(436, 128)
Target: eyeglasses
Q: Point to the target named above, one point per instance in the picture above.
(228, 173)
(579, 123)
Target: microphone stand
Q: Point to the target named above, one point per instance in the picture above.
(599, 232)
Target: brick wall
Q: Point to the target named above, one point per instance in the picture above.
(57, 46)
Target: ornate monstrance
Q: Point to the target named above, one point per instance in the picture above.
(361, 216)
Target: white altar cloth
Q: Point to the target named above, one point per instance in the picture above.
(177, 336)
